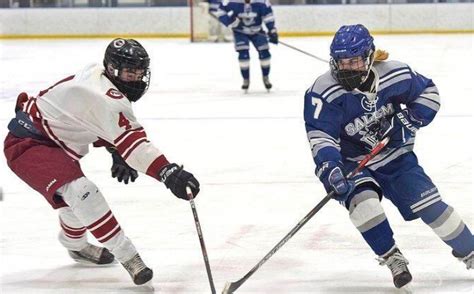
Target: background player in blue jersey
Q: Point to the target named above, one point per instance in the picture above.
(245, 18)
(348, 110)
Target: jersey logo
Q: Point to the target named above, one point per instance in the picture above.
(50, 184)
(119, 43)
(364, 121)
(248, 16)
(114, 94)
(369, 104)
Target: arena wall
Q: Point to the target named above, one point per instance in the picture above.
(294, 20)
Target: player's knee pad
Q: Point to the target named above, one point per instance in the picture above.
(85, 200)
(67, 217)
(365, 210)
(368, 183)
(364, 183)
(264, 57)
(244, 55)
(244, 59)
(264, 54)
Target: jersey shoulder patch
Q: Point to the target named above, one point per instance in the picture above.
(392, 73)
(327, 88)
(389, 67)
(114, 94)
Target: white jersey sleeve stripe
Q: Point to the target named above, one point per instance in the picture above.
(120, 138)
(427, 102)
(132, 147)
(130, 140)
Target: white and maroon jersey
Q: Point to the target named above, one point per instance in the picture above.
(87, 108)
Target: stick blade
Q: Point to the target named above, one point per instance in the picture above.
(230, 288)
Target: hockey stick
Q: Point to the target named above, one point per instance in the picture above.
(201, 240)
(288, 45)
(231, 287)
(302, 51)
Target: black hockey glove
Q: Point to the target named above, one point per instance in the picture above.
(273, 36)
(177, 179)
(400, 128)
(120, 169)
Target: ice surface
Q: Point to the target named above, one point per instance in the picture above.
(251, 155)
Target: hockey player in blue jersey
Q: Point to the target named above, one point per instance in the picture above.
(348, 110)
(245, 18)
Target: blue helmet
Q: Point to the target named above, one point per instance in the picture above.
(351, 41)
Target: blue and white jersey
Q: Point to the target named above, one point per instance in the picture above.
(337, 121)
(251, 15)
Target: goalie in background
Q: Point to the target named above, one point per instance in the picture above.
(52, 132)
(217, 32)
(348, 110)
(245, 18)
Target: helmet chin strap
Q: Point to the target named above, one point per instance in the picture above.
(371, 94)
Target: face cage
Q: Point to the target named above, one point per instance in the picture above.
(351, 79)
(133, 90)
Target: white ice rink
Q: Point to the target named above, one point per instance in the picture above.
(251, 155)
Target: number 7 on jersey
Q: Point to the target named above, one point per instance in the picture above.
(318, 103)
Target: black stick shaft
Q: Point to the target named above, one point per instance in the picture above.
(201, 241)
(235, 285)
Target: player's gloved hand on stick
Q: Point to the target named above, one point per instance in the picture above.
(332, 176)
(273, 36)
(177, 179)
(399, 128)
(121, 170)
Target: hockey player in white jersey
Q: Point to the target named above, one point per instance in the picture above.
(52, 132)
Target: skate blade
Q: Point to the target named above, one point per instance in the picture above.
(148, 286)
(407, 289)
(87, 263)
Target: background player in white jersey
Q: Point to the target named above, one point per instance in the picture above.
(348, 110)
(53, 130)
(245, 18)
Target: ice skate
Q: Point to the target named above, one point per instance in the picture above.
(92, 254)
(266, 82)
(137, 269)
(397, 264)
(245, 85)
(468, 260)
